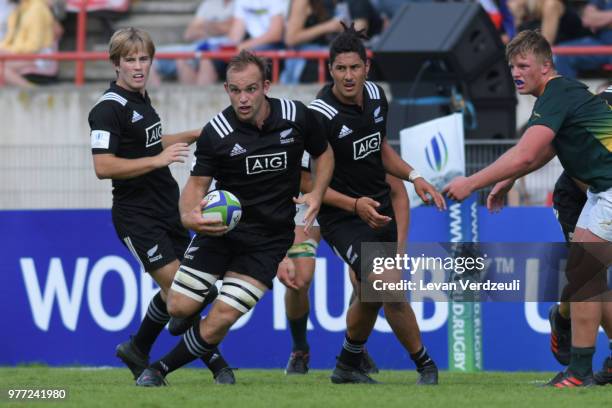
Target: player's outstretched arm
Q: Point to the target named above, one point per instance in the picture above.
(191, 204)
(188, 136)
(109, 166)
(397, 167)
(533, 150)
(323, 169)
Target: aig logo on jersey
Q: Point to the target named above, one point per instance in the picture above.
(366, 145)
(266, 162)
(154, 134)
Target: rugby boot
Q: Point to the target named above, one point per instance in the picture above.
(560, 337)
(298, 363)
(568, 379)
(225, 376)
(604, 376)
(428, 375)
(133, 358)
(345, 374)
(367, 363)
(151, 377)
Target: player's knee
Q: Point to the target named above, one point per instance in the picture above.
(303, 255)
(239, 294)
(193, 285)
(395, 307)
(175, 307)
(220, 320)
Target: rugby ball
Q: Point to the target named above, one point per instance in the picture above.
(224, 207)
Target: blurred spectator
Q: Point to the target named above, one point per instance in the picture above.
(492, 9)
(365, 16)
(388, 8)
(105, 12)
(261, 20)
(6, 6)
(556, 19)
(30, 29)
(207, 30)
(597, 17)
(310, 26)
(508, 29)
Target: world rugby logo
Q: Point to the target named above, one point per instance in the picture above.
(436, 153)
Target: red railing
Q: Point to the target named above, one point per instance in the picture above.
(81, 57)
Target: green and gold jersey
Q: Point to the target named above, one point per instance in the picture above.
(582, 123)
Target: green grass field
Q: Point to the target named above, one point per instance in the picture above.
(114, 388)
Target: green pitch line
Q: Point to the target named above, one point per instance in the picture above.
(114, 388)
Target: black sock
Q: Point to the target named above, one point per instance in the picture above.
(214, 361)
(191, 347)
(352, 351)
(153, 323)
(421, 358)
(298, 329)
(581, 360)
(562, 321)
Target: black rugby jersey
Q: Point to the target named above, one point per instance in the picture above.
(356, 135)
(125, 124)
(260, 166)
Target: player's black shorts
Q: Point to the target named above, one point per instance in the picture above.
(568, 200)
(347, 236)
(155, 241)
(242, 251)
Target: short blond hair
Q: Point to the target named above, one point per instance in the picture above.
(126, 40)
(530, 41)
(245, 58)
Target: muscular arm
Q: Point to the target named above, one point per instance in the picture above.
(331, 197)
(393, 163)
(396, 166)
(109, 166)
(188, 136)
(191, 196)
(323, 168)
(532, 151)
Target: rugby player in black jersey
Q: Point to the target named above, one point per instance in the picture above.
(253, 149)
(128, 147)
(357, 206)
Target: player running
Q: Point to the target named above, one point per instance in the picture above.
(253, 149)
